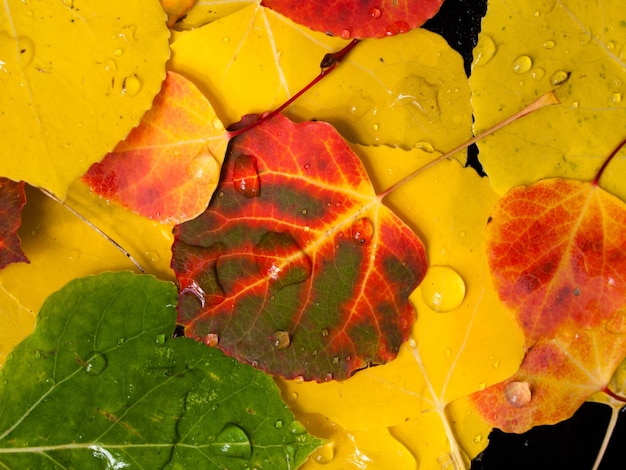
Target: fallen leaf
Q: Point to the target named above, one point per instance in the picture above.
(421, 404)
(576, 48)
(137, 395)
(61, 247)
(206, 11)
(409, 90)
(363, 19)
(12, 200)
(556, 254)
(168, 167)
(77, 77)
(296, 266)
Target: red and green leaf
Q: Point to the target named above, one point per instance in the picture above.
(12, 200)
(362, 19)
(296, 266)
(557, 254)
(168, 167)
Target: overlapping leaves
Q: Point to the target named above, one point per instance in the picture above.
(296, 266)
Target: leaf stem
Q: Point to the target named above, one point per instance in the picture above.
(614, 395)
(606, 162)
(607, 437)
(544, 100)
(328, 64)
(93, 226)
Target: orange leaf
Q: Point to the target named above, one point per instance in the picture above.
(556, 253)
(168, 167)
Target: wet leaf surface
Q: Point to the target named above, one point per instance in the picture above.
(66, 114)
(296, 266)
(138, 396)
(364, 19)
(556, 253)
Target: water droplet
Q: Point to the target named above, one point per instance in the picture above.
(478, 439)
(303, 212)
(397, 27)
(447, 352)
(204, 168)
(278, 424)
(195, 290)
(299, 379)
(522, 64)
(462, 234)
(616, 97)
(307, 166)
(495, 364)
(346, 34)
(559, 77)
(96, 364)
(218, 125)
(293, 396)
(160, 340)
(425, 146)
(537, 73)
(324, 332)
(485, 50)
(362, 231)
(118, 52)
(110, 66)
(296, 427)
(518, 394)
(131, 85)
(375, 13)
(549, 44)
(280, 339)
(212, 340)
(610, 46)
(121, 341)
(443, 289)
(246, 176)
(328, 377)
(232, 441)
(375, 127)
(280, 258)
(482, 386)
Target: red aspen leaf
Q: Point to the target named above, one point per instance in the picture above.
(362, 19)
(296, 266)
(556, 254)
(12, 200)
(168, 166)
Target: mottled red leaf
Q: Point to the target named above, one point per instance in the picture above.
(12, 200)
(557, 254)
(168, 167)
(358, 19)
(296, 266)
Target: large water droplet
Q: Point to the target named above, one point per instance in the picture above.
(549, 44)
(362, 231)
(159, 340)
(518, 394)
(280, 258)
(324, 455)
(443, 289)
(537, 73)
(296, 427)
(212, 340)
(232, 441)
(280, 339)
(346, 34)
(522, 64)
(484, 50)
(246, 176)
(204, 168)
(616, 97)
(96, 364)
(131, 85)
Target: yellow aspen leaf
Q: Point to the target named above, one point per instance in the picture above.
(576, 48)
(76, 77)
(409, 90)
(421, 394)
(205, 11)
(61, 247)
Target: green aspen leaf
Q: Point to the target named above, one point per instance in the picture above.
(101, 383)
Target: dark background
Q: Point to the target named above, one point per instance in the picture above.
(574, 443)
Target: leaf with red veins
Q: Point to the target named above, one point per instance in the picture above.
(358, 19)
(557, 255)
(12, 200)
(296, 266)
(168, 167)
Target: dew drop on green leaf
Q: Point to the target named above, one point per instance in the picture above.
(232, 441)
(97, 364)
